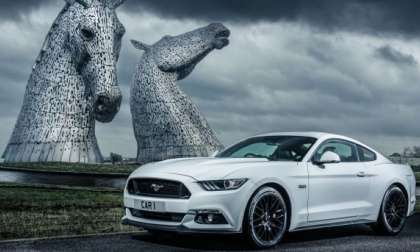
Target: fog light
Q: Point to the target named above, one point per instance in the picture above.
(209, 217)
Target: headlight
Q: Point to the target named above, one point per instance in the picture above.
(222, 185)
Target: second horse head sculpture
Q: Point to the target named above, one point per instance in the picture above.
(166, 122)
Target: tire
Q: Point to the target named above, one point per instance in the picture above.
(393, 212)
(266, 218)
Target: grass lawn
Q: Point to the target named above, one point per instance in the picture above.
(28, 211)
(74, 167)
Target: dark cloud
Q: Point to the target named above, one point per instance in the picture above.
(15, 9)
(373, 16)
(369, 16)
(393, 55)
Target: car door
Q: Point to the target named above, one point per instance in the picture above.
(338, 192)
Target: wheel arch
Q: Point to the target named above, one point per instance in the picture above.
(398, 184)
(402, 187)
(382, 225)
(284, 193)
(286, 197)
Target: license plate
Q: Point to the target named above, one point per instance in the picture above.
(148, 205)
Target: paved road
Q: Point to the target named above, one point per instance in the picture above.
(352, 238)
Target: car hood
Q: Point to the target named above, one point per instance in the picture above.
(199, 168)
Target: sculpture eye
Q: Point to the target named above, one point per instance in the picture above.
(87, 33)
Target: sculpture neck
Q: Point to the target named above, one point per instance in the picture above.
(150, 76)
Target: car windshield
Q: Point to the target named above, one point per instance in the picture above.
(274, 148)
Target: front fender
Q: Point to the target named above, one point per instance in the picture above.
(298, 206)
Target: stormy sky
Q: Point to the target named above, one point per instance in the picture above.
(348, 67)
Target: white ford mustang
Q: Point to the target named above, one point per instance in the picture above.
(266, 185)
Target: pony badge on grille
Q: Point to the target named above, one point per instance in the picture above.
(156, 187)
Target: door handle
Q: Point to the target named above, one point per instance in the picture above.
(361, 174)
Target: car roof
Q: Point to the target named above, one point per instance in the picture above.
(315, 134)
(321, 136)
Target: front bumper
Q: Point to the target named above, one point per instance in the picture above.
(230, 204)
(180, 228)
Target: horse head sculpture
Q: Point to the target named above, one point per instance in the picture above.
(182, 53)
(95, 42)
(72, 84)
(166, 122)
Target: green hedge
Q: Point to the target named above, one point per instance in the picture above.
(74, 167)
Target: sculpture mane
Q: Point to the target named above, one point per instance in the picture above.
(72, 84)
(166, 122)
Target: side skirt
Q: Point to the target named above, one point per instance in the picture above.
(337, 224)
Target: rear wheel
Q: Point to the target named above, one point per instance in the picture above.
(393, 212)
(266, 218)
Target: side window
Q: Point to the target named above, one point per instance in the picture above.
(346, 150)
(365, 155)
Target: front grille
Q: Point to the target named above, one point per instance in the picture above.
(158, 188)
(170, 217)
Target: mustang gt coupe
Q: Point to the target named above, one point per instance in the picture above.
(266, 185)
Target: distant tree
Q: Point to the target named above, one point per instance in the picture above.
(416, 151)
(116, 158)
(408, 152)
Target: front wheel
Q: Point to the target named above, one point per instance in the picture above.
(266, 219)
(393, 212)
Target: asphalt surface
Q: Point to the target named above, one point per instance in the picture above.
(350, 238)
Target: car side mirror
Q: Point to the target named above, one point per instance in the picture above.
(328, 157)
